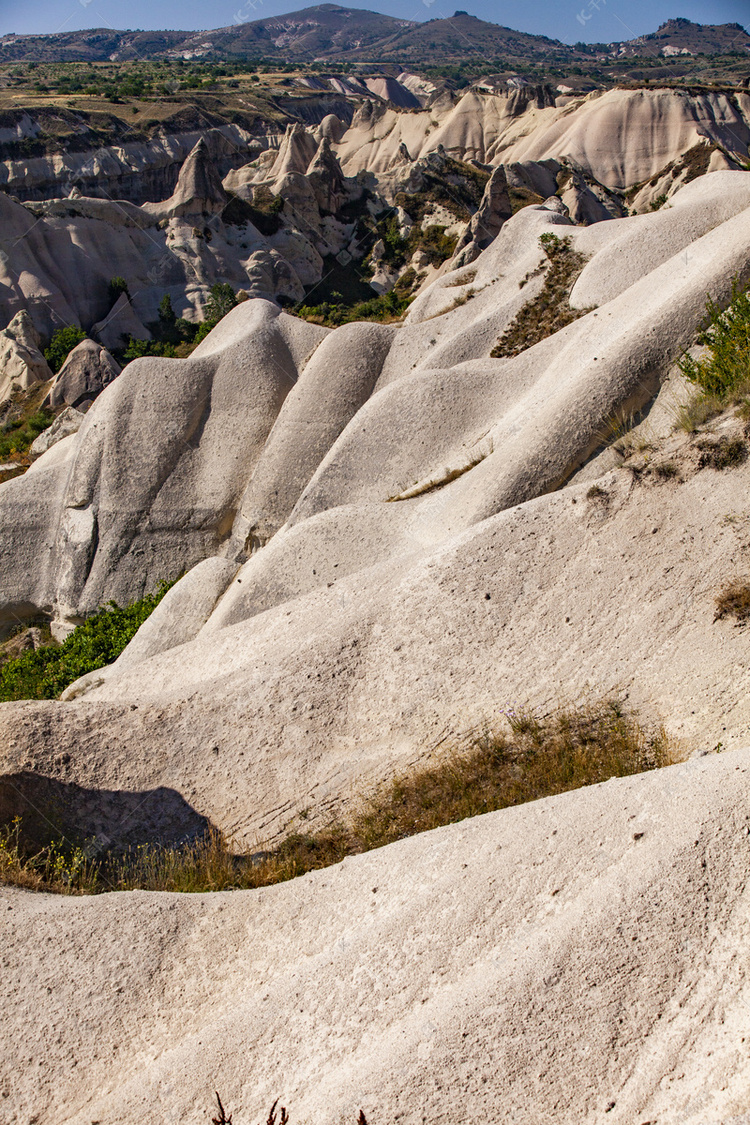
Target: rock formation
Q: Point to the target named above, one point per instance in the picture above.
(21, 362)
(577, 959)
(494, 210)
(198, 191)
(361, 461)
(88, 369)
(385, 537)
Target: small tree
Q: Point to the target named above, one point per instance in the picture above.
(222, 300)
(166, 312)
(117, 286)
(61, 345)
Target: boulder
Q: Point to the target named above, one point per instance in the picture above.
(86, 372)
(21, 362)
(67, 423)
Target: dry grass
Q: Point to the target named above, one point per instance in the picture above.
(691, 415)
(724, 453)
(551, 310)
(535, 757)
(666, 470)
(222, 1119)
(733, 600)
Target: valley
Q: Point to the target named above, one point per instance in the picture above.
(374, 580)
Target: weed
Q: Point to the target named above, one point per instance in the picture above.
(222, 1119)
(667, 470)
(596, 492)
(734, 600)
(726, 453)
(691, 415)
(539, 757)
(725, 368)
(45, 672)
(551, 310)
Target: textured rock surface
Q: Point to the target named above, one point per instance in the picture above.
(67, 423)
(580, 959)
(88, 369)
(21, 362)
(391, 539)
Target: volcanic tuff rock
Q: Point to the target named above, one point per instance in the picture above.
(67, 422)
(395, 480)
(198, 190)
(21, 362)
(494, 210)
(579, 959)
(88, 369)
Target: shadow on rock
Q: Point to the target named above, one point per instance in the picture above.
(51, 809)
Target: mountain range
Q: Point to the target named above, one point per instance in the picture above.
(329, 31)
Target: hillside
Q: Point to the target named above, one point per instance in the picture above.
(683, 35)
(374, 595)
(329, 31)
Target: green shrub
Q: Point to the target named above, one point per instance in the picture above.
(45, 673)
(16, 437)
(387, 307)
(117, 286)
(61, 345)
(136, 349)
(725, 369)
(222, 300)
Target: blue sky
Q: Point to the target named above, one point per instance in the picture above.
(569, 20)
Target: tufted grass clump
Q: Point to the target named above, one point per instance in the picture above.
(733, 600)
(532, 757)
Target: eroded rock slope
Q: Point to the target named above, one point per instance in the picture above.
(383, 547)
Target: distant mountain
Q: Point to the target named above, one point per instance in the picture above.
(329, 31)
(462, 36)
(683, 36)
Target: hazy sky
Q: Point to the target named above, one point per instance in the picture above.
(569, 20)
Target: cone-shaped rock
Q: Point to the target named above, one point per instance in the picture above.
(198, 190)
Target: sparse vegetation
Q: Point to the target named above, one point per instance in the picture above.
(724, 370)
(724, 453)
(551, 310)
(734, 601)
(694, 413)
(46, 672)
(537, 757)
(598, 494)
(386, 308)
(666, 470)
(222, 1119)
(18, 435)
